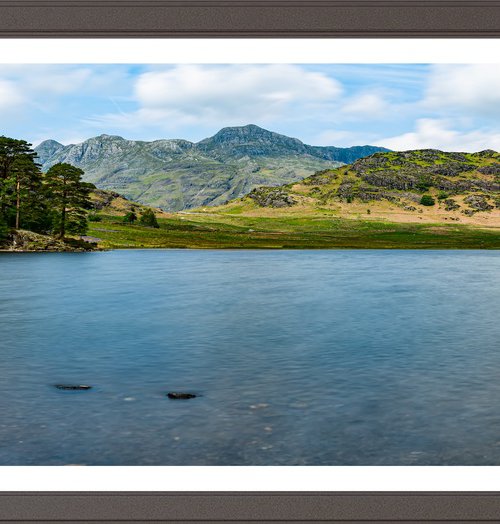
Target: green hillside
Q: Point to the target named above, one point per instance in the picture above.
(421, 185)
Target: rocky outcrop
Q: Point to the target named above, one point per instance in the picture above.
(102, 199)
(478, 203)
(450, 205)
(26, 241)
(271, 197)
(491, 169)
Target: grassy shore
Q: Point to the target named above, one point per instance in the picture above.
(232, 231)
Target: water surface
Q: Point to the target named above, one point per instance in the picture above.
(299, 357)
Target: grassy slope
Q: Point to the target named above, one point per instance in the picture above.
(323, 218)
(236, 231)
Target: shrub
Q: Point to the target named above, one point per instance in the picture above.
(443, 195)
(130, 217)
(427, 200)
(94, 217)
(148, 219)
(424, 183)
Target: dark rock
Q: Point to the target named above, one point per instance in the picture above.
(391, 179)
(90, 240)
(320, 178)
(451, 169)
(478, 203)
(346, 191)
(180, 396)
(73, 387)
(487, 153)
(450, 205)
(491, 169)
(271, 197)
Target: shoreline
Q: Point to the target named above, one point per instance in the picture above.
(106, 250)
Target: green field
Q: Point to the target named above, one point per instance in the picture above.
(224, 231)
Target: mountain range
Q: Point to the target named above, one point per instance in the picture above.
(176, 174)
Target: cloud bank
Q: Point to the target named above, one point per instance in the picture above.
(453, 107)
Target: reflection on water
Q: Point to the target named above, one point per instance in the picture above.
(298, 357)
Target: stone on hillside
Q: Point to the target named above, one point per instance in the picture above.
(478, 203)
(450, 205)
(271, 197)
(491, 169)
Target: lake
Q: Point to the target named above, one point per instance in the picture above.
(348, 357)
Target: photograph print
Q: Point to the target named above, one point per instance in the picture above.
(249, 264)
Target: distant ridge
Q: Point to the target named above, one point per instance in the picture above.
(177, 174)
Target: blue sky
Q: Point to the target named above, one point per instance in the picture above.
(450, 107)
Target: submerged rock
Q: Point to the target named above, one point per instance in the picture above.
(180, 396)
(73, 387)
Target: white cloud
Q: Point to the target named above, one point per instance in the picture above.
(225, 95)
(57, 80)
(366, 105)
(473, 89)
(438, 134)
(10, 97)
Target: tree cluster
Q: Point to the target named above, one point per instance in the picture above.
(56, 202)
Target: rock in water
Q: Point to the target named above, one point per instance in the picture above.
(180, 396)
(73, 387)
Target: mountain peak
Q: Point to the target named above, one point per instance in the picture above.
(107, 137)
(50, 143)
(250, 131)
(47, 149)
(249, 140)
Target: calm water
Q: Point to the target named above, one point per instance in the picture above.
(300, 357)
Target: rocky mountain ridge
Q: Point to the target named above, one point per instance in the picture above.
(177, 174)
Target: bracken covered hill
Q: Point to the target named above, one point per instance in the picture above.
(456, 186)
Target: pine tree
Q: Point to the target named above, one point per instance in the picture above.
(27, 178)
(69, 197)
(18, 172)
(4, 230)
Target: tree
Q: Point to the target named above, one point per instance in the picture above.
(427, 200)
(18, 175)
(4, 230)
(27, 178)
(10, 151)
(130, 217)
(69, 197)
(148, 219)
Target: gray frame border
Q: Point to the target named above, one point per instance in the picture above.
(246, 507)
(255, 19)
(249, 18)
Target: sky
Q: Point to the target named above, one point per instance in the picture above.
(407, 106)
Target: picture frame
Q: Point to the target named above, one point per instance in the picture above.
(249, 19)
